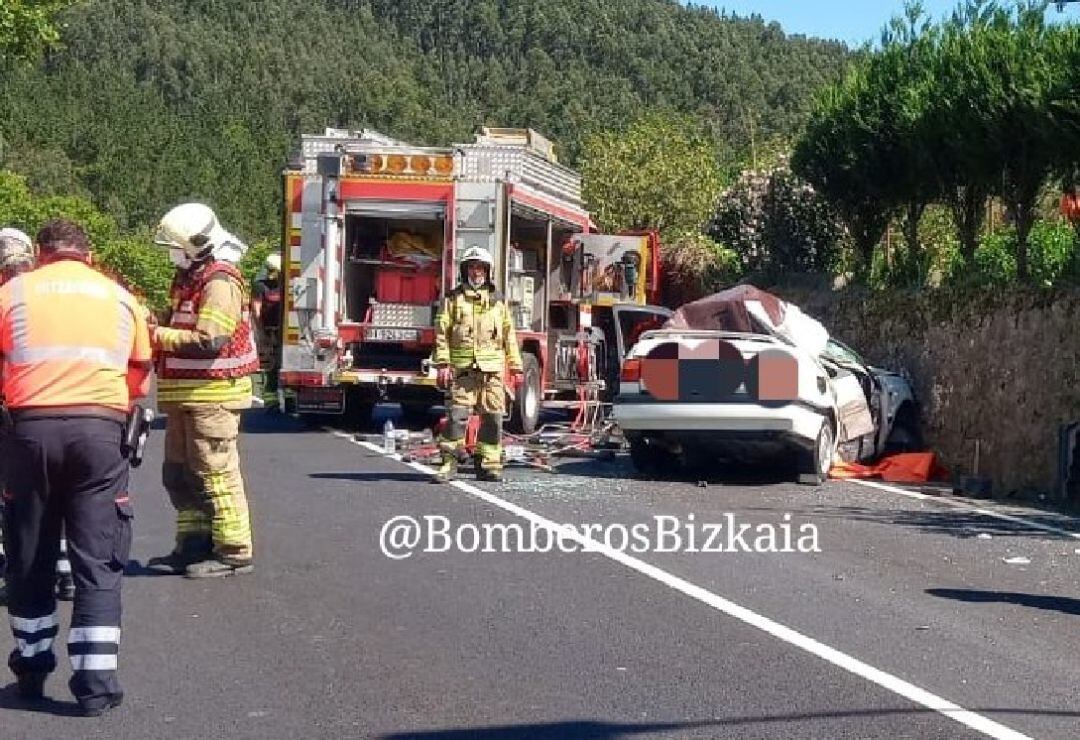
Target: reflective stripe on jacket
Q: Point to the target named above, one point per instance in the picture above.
(474, 328)
(207, 351)
(71, 337)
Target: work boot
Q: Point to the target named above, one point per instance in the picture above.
(490, 476)
(173, 564)
(65, 587)
(98, 705)
(31, 686)
(217, 568)
(446, 471)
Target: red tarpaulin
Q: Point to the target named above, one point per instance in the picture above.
(905, 467)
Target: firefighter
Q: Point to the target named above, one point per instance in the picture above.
(266, 309)
(205, 359)
(76, 353)
(16, 257)
(475, 344)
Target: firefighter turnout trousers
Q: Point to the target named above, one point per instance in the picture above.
(202, 475)
(475, 391)
(67, 473)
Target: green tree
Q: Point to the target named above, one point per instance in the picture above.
(839, 155)
(776, 223)
(131, 259)
(27, 27)
(660, 172)
(1019, 102)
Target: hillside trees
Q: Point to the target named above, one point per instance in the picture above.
(28, 27)
(149, 104)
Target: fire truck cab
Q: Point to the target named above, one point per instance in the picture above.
(372, 232)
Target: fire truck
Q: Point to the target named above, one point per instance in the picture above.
(373, 228)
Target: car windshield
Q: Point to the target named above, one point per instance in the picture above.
(834, 350)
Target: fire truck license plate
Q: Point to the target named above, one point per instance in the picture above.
(320, 400)
(393, 335)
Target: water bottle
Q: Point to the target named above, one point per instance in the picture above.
(388, 437)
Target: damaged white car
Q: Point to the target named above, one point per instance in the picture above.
(745, 377)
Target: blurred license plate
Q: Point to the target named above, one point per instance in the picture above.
(393, 335)
(320, 400)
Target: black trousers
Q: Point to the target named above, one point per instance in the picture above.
(67, 472)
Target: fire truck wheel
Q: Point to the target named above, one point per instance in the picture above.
(525, 413)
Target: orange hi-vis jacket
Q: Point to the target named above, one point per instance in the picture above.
(71, 337)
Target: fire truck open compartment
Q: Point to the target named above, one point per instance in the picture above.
(529, 265)
(393, 261)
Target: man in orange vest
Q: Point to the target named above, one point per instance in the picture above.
(206, 356)
(16, 257)
(75, 353)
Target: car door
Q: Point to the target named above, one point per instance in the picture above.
(629, 321)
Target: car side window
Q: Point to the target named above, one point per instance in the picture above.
(841, 353)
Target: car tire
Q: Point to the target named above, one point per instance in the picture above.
(818, 461)
(649, 459)
(525, 412)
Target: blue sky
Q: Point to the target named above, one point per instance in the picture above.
(852, 21)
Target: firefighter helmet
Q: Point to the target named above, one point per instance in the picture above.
(194, 228)
(16, 249)
(476, 254)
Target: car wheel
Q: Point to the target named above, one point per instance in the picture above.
(819, 460)
(649, 459)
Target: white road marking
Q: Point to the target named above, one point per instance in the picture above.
(898, 686)
(962, 506)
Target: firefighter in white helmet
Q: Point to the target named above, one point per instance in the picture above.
(205, 358)
(475, 344)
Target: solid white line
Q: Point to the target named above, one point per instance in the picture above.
(853, 665)
(962, 506)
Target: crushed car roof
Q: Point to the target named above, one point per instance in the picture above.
(747, 309)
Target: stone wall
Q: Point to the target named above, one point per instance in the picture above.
(1001, 366)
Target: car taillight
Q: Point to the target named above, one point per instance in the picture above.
(631, 371)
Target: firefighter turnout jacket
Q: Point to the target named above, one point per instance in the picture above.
(207, 353)
(474, 330)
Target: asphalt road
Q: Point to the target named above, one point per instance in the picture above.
(907, 621)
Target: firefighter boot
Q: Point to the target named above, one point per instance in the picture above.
(447, 469)
(193, 550)
(218, 567)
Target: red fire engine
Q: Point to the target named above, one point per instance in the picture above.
(372, 230)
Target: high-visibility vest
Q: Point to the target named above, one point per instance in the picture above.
(237, 359)
(68, 335)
